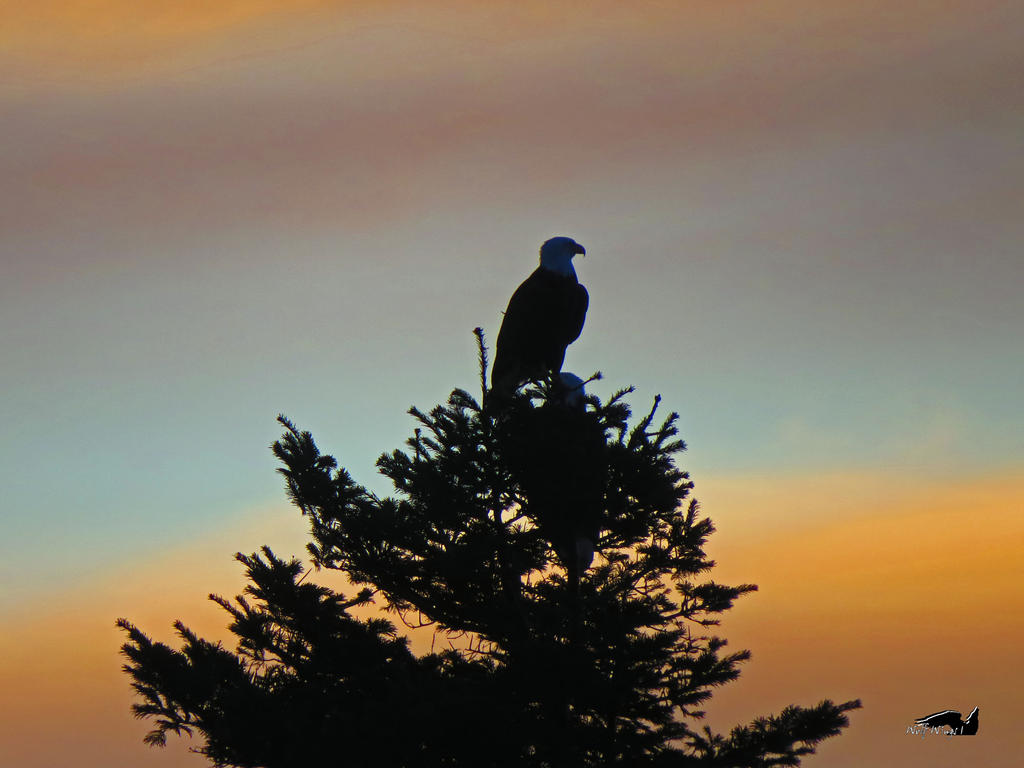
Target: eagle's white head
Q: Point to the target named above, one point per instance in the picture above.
(573, 390)
(556, 254)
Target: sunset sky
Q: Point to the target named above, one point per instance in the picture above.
(804, 225)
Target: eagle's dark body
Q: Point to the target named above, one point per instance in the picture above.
(557, 454)
(544, 316)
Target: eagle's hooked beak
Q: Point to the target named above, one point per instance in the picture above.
(580, 250)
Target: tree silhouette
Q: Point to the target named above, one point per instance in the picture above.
(551, 662)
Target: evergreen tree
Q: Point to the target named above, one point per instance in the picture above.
(563, 660)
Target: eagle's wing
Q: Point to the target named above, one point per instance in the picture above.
(577, 313)
(520, 327)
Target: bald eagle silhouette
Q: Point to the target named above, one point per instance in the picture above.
(557, 454)
(951, 718)
(544, 316)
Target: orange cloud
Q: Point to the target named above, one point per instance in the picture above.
(903, 593)
(59, 661)
(104, 32)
